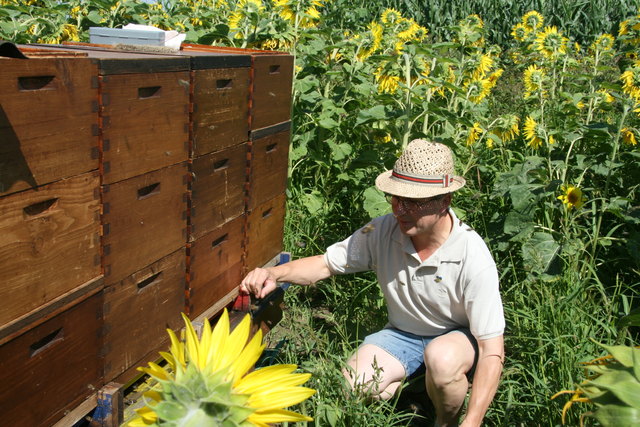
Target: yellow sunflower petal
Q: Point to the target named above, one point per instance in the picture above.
(277, 416)
(280, 398)
(237, 341)
(147, 414)
(248, 358)
(264, 375)
(219, 339)
(192, 343)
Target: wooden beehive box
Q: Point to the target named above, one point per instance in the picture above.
(143, 110)
(49, 243)
(269, 164)
(48, 119)
(52, 367)
(144, 219)
(215, 265)
(137, 312)
(265, 231)
(218, 189)
(271, 83)
(220, 100)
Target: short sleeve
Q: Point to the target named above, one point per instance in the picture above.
(483, 304)
(351, 255)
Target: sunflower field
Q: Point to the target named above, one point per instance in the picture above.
(542, 109)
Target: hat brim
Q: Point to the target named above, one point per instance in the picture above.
(390, 185)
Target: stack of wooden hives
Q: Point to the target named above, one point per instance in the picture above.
(133, 186)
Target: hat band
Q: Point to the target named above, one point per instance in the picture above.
(442, 181)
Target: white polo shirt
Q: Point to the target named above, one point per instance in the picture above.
(455, 287)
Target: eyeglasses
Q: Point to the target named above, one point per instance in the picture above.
(413, 204)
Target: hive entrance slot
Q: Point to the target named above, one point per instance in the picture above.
(224, 84)
(220, 164)
(266, 213)
(45, 342)
(149, 281)
(219, 241)
(40, 207)
(36, 83)
(149, 91)
(271, 147)
(274, 69)
(148, 191)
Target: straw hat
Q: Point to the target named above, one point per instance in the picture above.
(425, 169)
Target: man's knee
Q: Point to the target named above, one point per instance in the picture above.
(448, 361)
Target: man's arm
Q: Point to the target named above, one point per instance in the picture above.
(303, 271)
(485, 379)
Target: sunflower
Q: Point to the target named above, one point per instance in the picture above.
(520, 32)
(475, 20)
(408, 29)
(628, 136)
(532, 132)
(387, 83)
(478, 89)
(604, 43)
(550, 43)
(605, 96)
(474, 133)
(532, 20)
(534, 79)
(390, 16)
(572, 197)
(206, 381)
(483, 64)
(507, 127)
(631, 82)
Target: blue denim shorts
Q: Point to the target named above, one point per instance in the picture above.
(409, 348)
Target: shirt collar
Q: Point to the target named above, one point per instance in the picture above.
(450, 251)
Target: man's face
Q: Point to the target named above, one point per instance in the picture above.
(418, 216)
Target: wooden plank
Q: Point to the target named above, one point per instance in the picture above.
(48, 121)
(53, 367)
(49, 243)
(271, 91)
(145, 123)
(144, 219)
(139, 309)
(265, 228)
(51, 309)
(109, 410)
(268, 168)
(78, 413)
(217, 189)
(215, 265)
(220, 109)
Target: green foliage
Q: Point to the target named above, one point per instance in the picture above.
(544, 131)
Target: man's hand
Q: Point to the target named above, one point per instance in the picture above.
(304, 271)
(259, 282)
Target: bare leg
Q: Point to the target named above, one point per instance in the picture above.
(375, 370)
(448, 358)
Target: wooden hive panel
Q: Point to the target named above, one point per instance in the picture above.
(139, 309)
(220, 108)
(49, 243)
(268, 164)
(48, 121)
(53, 367)
(218, 189)
(271, 82)
(215, 265)
(144, 219)
(265, 231)
(145, 123)
(271, 92)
